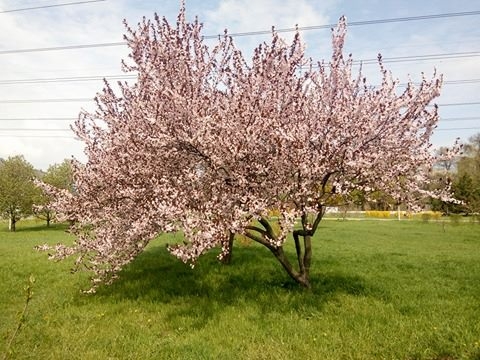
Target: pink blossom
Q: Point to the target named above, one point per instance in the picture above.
(208, 142)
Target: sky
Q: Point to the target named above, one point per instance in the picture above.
(42, 92)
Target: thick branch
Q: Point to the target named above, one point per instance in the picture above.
(317, 220)
(298, 277)
(325, 180)
(257, 229)
(307, 258)
(268, 227)
(260, 240)
(298, 247)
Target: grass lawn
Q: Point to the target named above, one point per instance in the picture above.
(381, 290)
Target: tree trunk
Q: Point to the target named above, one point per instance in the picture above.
(304, 254)
(228, 256)
(301, 277)
(12, 224)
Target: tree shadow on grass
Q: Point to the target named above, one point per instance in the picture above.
(254, 277)
(39, 227)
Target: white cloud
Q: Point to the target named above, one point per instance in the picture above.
(242, 15)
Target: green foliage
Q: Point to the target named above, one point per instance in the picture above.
(381, 290)
(467, 182)
(59, 176)
(17, 191)
(464, 178)
(467, 189)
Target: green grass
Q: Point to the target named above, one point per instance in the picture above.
(381, 290)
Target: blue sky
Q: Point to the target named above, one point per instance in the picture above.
(101, 22)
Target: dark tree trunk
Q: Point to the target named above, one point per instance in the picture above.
(301, 277)
(13, 224)
(304, 251)
(227, 259)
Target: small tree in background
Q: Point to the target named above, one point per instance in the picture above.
(17, 191)
(467, 181)
(59, 176)
(208, 143)
(462, 172)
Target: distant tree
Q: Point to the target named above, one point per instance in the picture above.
(17, 191)
(441, 177)
(466, 185)
(445, 162)
(59, 176)
(208, 143)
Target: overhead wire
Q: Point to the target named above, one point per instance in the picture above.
(254, 33)
(458, 129)
(32, 101)
(59, 100)
(464, 118)
(29, 129)
(39, 136)
(132, 77)
(39, 119)
(352, 23)
(460, 103)
(50, 6)
(68, 79)
(74, 137)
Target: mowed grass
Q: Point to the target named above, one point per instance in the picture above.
(381, 290)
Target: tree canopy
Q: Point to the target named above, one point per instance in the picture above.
(207, 142)
(466, 185)
(17, 191)
(59, 176)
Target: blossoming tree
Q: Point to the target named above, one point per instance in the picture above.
(207, 143)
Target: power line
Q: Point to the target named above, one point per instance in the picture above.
(447, 82)
(55, 48)
(465, 118)
(40, 119)
(50, 6)
(31, 101)
(460, 103)
(410, 58)
(262, 32)
(75, 138)
(352, 23)
(67, 79)
(68, 129)
(132, 77)
(462, 128)
(39, 136)
(463, 81)
(29, 129)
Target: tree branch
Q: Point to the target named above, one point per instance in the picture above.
(260, 240)
(268, 227)
(298, 247)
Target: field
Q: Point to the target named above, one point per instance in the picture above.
(381, 290)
